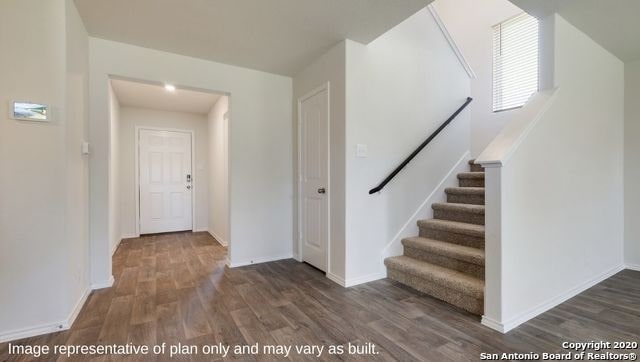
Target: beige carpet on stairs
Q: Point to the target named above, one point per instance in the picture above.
(446, 259)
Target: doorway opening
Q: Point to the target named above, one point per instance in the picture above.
(168, 161)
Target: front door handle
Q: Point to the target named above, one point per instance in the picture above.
(322, 190)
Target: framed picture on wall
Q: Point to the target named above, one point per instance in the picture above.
(26, 111)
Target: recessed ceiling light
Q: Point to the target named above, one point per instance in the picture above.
(170, 88)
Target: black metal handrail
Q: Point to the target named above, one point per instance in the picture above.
(417, 150)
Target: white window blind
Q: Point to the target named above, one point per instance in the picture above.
(515, 62)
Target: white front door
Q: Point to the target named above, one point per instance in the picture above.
(314, 178)
(165, 181)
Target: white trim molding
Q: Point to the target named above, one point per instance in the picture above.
(506, 326)
(77, 308)
(500, 150)
(452, 43)
(48, 327)
(106, 284)
(336, 279)
(632, 266)
(220, 240)
(424, 211)
(351, 282)
(258, 260)
(32, 331)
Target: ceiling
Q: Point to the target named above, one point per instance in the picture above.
(277, 36)
(613, 24)
(154, 96)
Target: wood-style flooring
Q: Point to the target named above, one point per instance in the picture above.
(176, 288)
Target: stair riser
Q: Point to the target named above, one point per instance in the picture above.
(461, 216)
(466, 302)
(476, 168)
(471, 182)
(466, 199)
(462, 266)
(460, 239)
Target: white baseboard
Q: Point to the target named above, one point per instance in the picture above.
(505, 327)
(49, 327)
(632, 266)
(102, 285)
(258, 260)
(365, 279)
(31, 331)
(77, 308)
(115, 247)
(493, 324)
(356, 281)
(129, 236)
(199, 230)
(219, 239)
(338, 280)
(424, 211)
(297, 257)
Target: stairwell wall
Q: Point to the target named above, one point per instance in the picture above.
(559, 229)
(399, 89)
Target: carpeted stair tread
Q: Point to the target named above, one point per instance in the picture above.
(465, 190)
(471, 175)
(453, 227)
(450, 250)
(430, 273)
(475, 167)
(450, 206)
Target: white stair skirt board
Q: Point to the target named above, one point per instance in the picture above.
(49, 327)
(545, 306)
(258, 260)
(424, 211)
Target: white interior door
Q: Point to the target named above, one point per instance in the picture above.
(314, 178)
(165, 181)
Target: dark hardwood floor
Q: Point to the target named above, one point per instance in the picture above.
(175, 288)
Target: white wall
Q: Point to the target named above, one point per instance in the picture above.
(399, 89)
(218, 182)
(43, 181)
(330, 67)
(132, 117)
(560, 196)
(470, 24)
(115, 205)
(632, 164)
(260, 148)
(77, 132)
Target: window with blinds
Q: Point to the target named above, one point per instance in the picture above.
(515, 62)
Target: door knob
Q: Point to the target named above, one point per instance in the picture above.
(322, 190)
(188, 187)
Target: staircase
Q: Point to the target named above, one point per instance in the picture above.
(446, 260)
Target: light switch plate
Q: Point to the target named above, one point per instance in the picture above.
(85, 148)
(362, 150)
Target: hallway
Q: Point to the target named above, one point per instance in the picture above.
(175, 288)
